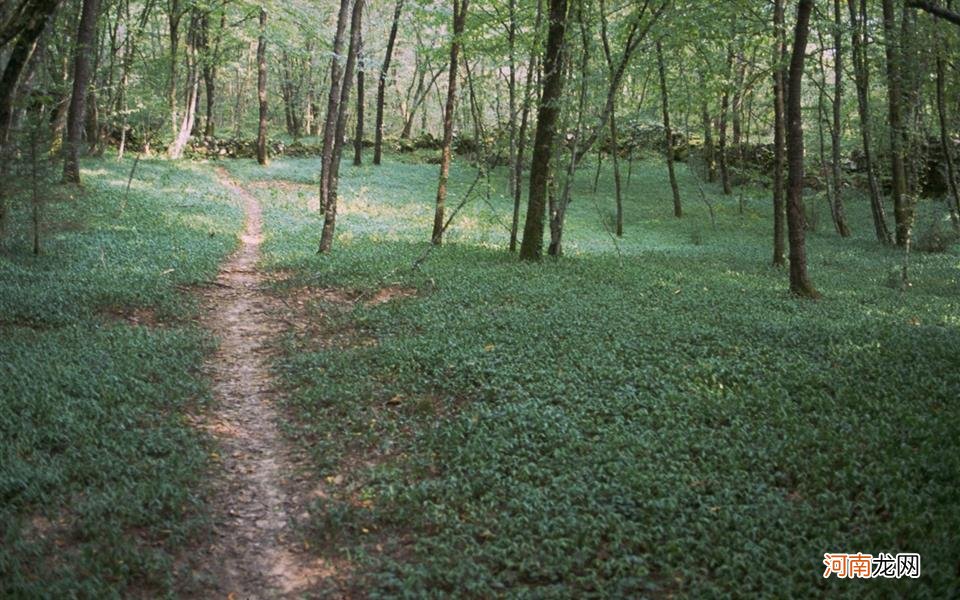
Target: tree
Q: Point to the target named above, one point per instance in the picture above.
(935, 10)
(175, 150)
(262, 88)
(86, 39)
(839, 211)
(333, 105)
(861, 70)
(548, 110)
(668, 133)
(330, 209)
(459, 20)
(799, 281)
(902, 208)
(358, 134)
(26, 30)
(382, 83)
(779, 129)
(532, 68)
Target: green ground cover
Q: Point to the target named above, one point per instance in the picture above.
(100, 473)
(674, 422)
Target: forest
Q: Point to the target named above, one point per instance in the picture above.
(500, 299)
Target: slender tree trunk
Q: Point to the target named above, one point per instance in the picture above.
(174, 15)
(532, 67)
(668, 133)
(86, 38)
(558, 205)
(902, 209)
(382, 83)
(861, 67)
(330, 211)
(839, 211)
(175, 150)
(779, 132)
(736, 109)
(724, 111)
(333, 105)
(262, 88)
(946, 142)
(358, 134)
(799, 281)
(459, 19)
(512, 93)
(708, 149)
(531, 247)
(617, 185)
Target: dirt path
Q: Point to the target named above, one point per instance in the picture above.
(253, 552)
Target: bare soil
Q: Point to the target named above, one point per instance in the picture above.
(264, 488)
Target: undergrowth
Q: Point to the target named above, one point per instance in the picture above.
(100, 472)
(672, 422)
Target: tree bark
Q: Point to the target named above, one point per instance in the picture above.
(902, 209)
(861, 68)
(382, 83)
(937, 11)
(668, 133)
(532, 65)
(86, 38)
(459, 19)
(333, 105)
(358, 134)
(262, 88)
(708, 149)
(175, 150)
(839, 211)
(946, 142)
(330, 211)
(799, 281)
(779, 132)
(174, 14)
(531, 247)
(722, 135)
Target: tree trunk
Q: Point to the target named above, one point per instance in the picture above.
(531, 247)
(946, 142)
(175, 150)
(459, 19)
(708, 150)
(722, 135)
(779, 131)
(358, 134)
(174, 15)
(668, 133)
(861, 68)
(330, 211)
(902, 209)
(522, 135)
(513, 182)
(86, 38)
(262, 88)
(839, 211)
(382, 83)
(333, 105)
(799, 282)
(557, 206)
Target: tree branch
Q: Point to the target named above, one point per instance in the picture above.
(935, 10)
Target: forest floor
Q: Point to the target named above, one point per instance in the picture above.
(254, 549)
(649, 416)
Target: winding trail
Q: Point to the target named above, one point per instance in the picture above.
(253, 552)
